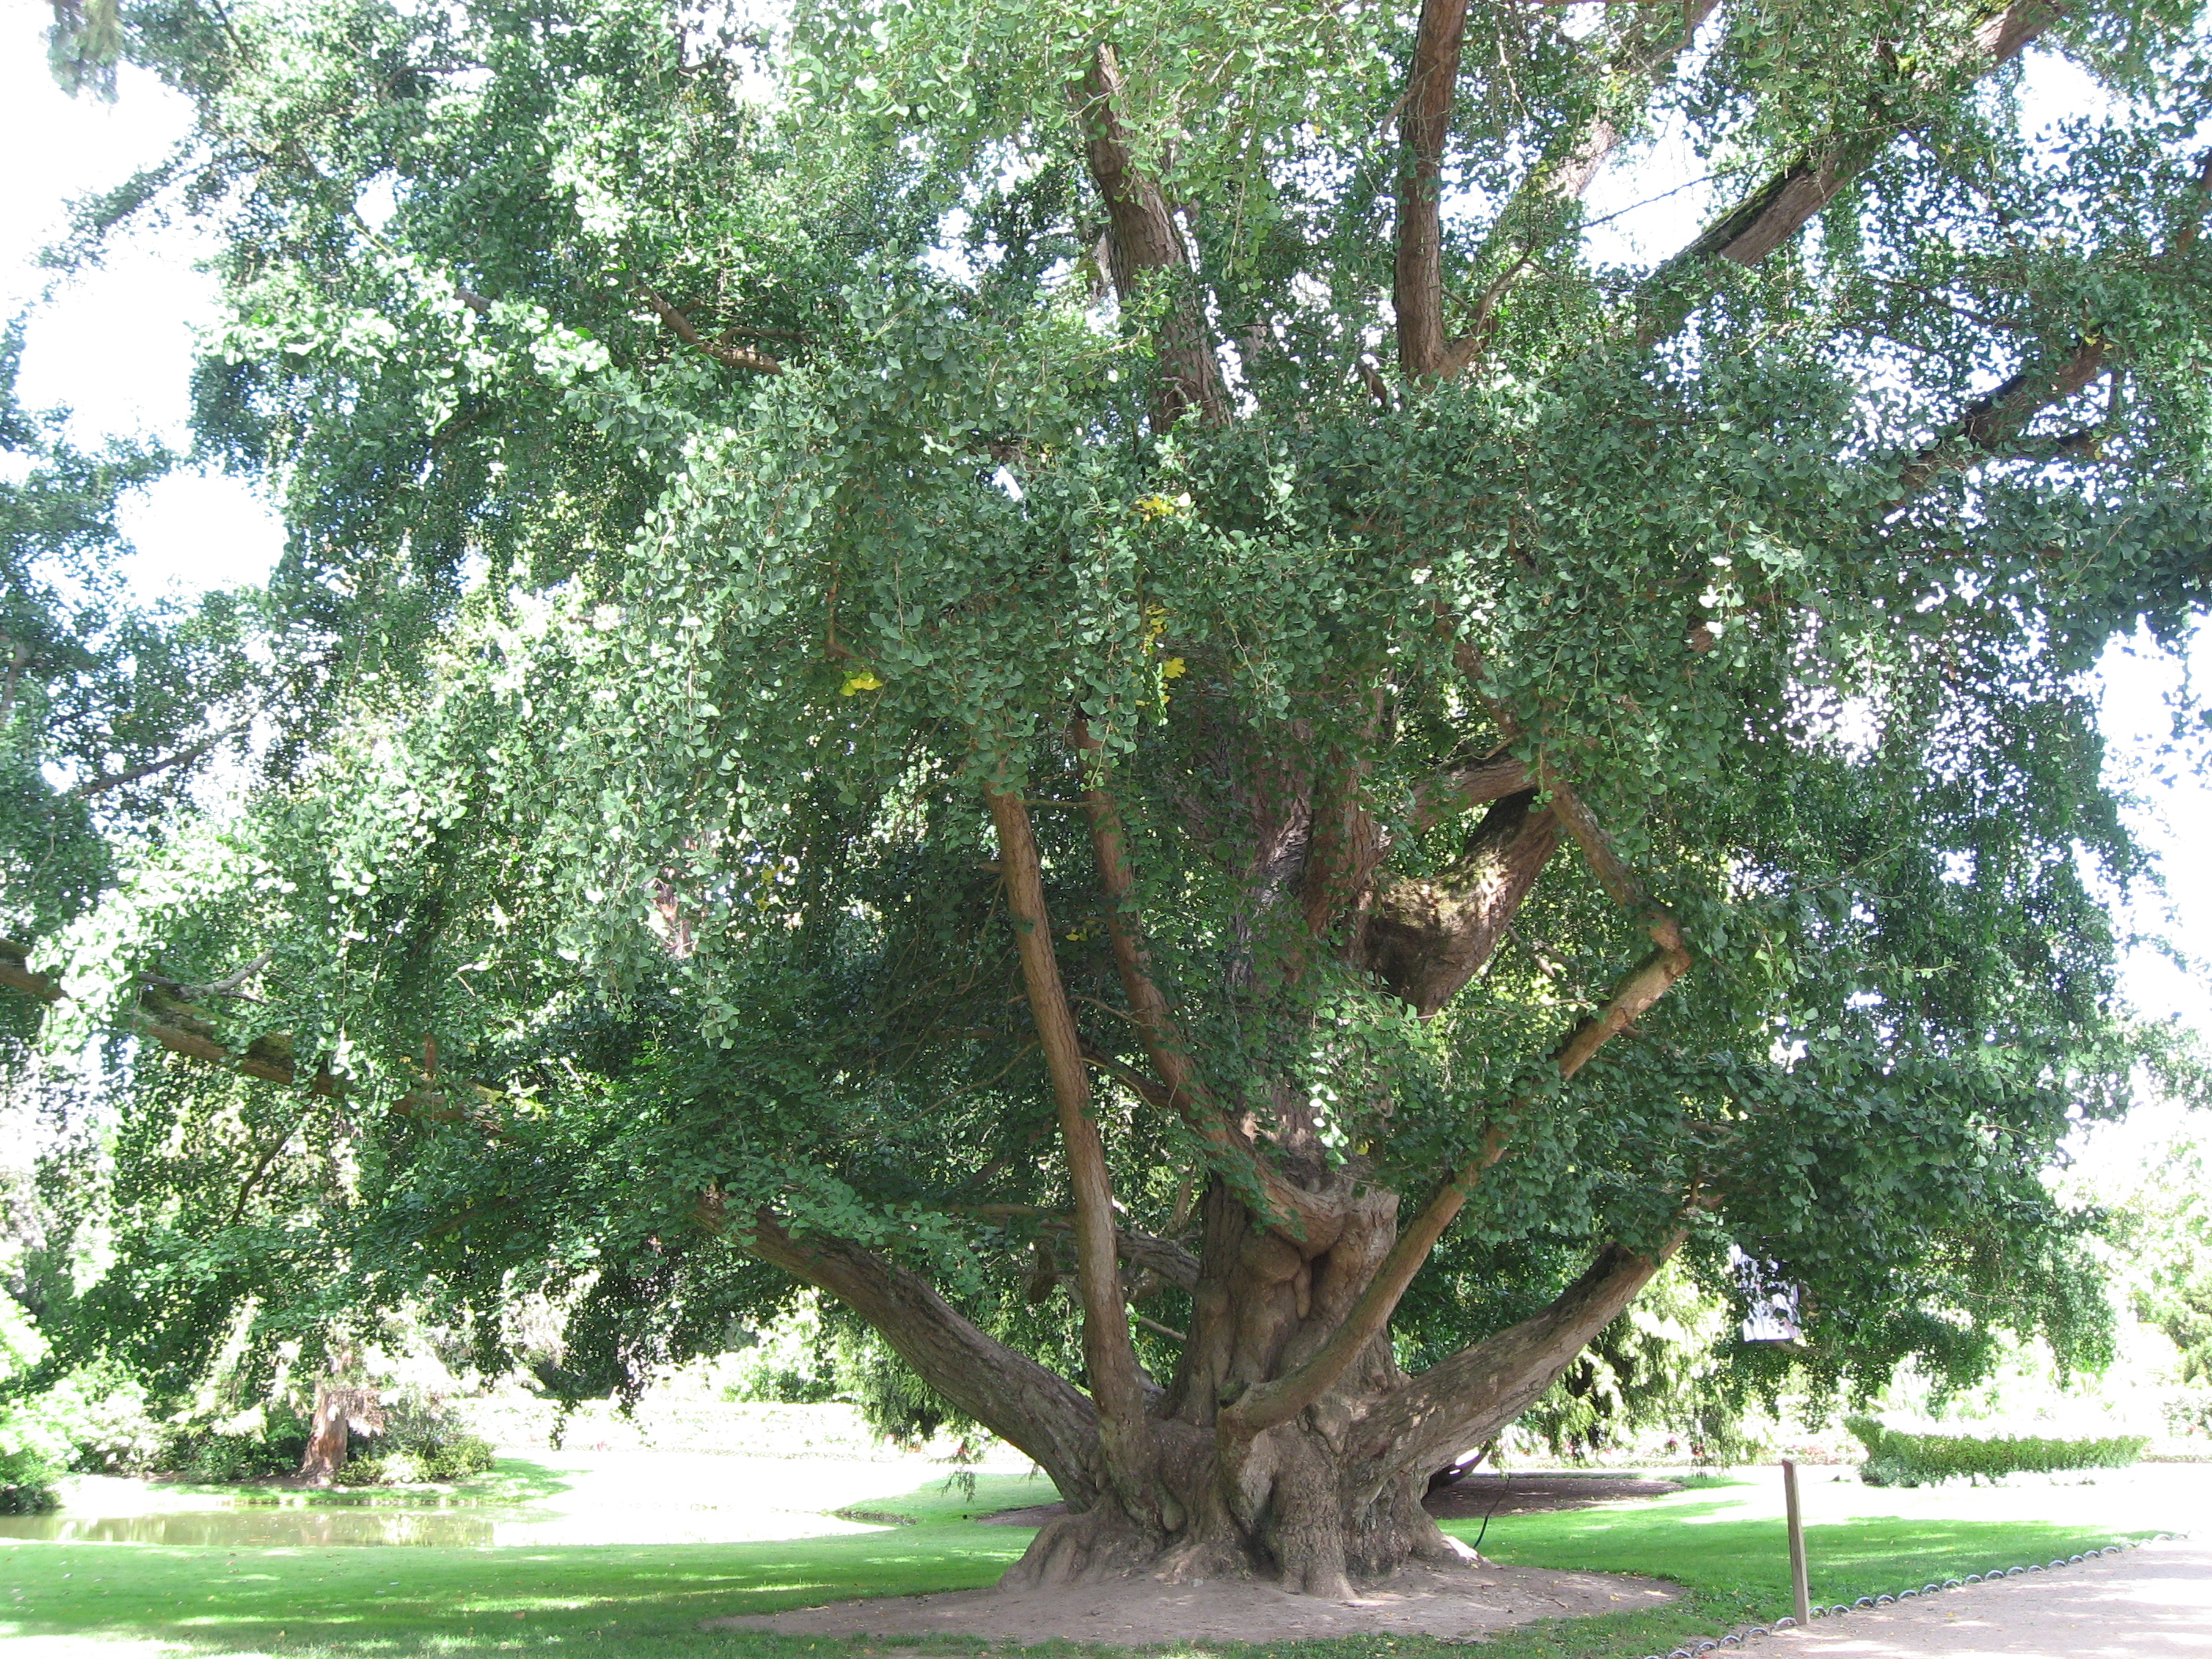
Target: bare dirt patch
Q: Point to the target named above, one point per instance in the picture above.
(1462, 1603)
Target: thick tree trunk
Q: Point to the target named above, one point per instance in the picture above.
(1331, 1499)
(342, 1410)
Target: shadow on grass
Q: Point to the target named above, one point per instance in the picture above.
(645, 1602)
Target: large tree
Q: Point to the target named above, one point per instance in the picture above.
(986, 653)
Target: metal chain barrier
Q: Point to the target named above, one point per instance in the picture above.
(1737, 1639)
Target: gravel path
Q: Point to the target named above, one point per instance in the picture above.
(2151, 1603)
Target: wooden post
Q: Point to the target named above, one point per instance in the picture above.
(1801, 1594)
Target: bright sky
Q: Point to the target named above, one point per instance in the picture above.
(115, 345)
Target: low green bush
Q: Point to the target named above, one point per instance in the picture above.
(27, 1481)
(1896, 1459)
(421, 1442)
(261, 1447)
(2188, 1411)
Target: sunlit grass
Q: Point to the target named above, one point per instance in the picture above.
(646, 1601)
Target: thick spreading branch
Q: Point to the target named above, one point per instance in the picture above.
(1109, 1360)
(1426, 940)
(1472, 1395)
(1022, 1402)
(1143, 245)
(1774, 213)
(1463, 788)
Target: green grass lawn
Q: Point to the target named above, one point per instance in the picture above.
(1735, 1565)
(645, 1602)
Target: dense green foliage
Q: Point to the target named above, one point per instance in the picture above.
(107, 703)
(1660, 1369)
(1897, 1459)
(2169, 1237)
(623, 845)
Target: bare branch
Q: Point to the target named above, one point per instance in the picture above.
(722, 351)
(101, 786)
(261, 1165)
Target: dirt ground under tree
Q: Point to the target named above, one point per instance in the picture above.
(1461, 1603)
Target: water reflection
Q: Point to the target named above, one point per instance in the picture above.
(582, 1498)
(293, 1527)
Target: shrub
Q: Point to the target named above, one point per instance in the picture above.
(27, 1481)
(420, 1443)
(1895, 1459)
(259, 1447)
(2188, 1411)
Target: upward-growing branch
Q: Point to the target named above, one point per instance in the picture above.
(1774, 213)
(1164, 1042)
(1143, 242)
(1116, 1384)
(1424, 124)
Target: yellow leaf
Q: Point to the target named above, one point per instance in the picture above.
(863, 681)
(1172, 669)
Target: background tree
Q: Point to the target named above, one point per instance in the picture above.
(1009, 661)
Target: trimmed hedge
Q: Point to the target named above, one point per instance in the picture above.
(1894, 1459)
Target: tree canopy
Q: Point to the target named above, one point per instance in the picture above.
(1005, 659)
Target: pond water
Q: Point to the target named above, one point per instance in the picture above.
(631, 1497)
(258, 1527)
